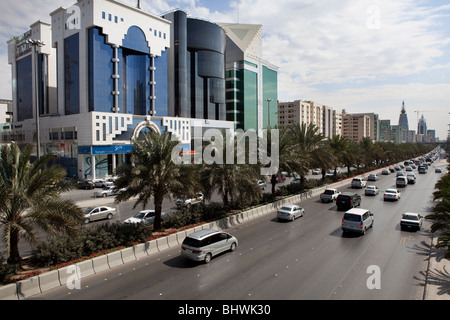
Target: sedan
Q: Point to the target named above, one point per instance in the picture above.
(97, 213)
(290, 212)
(372, 177)
(411, 220)
(371, 191)
(103, 183)
(391, 194)
(385, 172)
(145, 216)
(106, 191)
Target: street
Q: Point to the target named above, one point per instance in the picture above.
(309, 258)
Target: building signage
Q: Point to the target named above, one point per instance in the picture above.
(22, 47)
(122, 149)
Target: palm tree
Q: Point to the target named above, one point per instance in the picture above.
(153, 174)
(30, 199)
(340, 148)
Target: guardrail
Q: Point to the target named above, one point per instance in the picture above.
(56, 278)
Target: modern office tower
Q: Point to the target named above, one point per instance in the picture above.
(103, 76)
(396, 134)
(422, 130)
(385, 131)
(251, 82)
(403, 119)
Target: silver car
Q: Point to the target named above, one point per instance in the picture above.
(290, 212)
(98, 213)
(205, 244)
(145, 216)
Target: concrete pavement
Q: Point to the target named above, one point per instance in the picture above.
(437, 285)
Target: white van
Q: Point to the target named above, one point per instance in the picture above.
(357, 220)
(204, 244)
(401, 182)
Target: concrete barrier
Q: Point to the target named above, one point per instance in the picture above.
(181, 236)
(140, 250)
(151, 247)
(86, 268)
(9, 292)
(49, 280)
(100, 263)
(114, 259)
(28, 287)
(162, 243)
(172, 240)
(128, 254)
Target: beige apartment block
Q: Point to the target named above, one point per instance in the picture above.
(355, 127)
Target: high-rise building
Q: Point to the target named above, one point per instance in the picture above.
(403, 119)
(385, 130)
(251, 82)
(422, 130)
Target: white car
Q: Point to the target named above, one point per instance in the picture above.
(371, 191)
(97, 213)
(391, 194)
(329, 195)
(101, 183)
(358, 183)
(290, 212)
(145, 216)
(411, 220)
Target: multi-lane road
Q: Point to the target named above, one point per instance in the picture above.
(309, 258)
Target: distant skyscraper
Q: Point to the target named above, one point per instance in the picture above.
(422, 127)
(403, 120)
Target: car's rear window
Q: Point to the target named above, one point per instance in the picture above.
(352, 217)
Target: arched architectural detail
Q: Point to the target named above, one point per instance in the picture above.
(145, 124)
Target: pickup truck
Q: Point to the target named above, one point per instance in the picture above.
(188, 202)
(358, 183)
(329, 195)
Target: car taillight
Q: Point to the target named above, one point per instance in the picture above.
(361, 226)
(196, 251)
(351, 202)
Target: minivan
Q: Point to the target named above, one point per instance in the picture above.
(348, 200)
(207, 243)
(357, 220)
(401, 182)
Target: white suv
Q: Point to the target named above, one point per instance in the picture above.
(358, 183)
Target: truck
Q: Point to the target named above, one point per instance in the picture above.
(329, 195)
(358, 183)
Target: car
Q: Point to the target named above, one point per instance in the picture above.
(408, 168)
(411, 176)
(85, 184)
(438, 170)
(296, 180)
(358, 183)
(188, 202)
(101, 183)
(329, 195)
(385, 172)
(98, 213)
(422, 169)
(400, 174)
(391, 169)
(348, 200)
(372, 177)
(106, 191)
(205, 244)
(146, 217)
(413, 166)
(357, 220)
(391, 194)
(316, 171)
(397, 168)
(290, 212)
(411, 220)
(401, 182)
(371, 191)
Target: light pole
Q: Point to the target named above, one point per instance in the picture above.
(268, 111)
(36, 43)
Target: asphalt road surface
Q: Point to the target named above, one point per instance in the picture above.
(309, 258)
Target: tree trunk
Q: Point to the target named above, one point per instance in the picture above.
(158, 209)
(273, 181)
(14, 256)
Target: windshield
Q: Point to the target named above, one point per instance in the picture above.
(328, 192)
(88, 210)
(286, 209)
(352, 217)
(390, 191)
(410, 217)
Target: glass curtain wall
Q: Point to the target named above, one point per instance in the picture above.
(71, 75)
(24, 88)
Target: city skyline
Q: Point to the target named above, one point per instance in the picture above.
(361, 57)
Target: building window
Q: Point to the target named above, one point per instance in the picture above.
(109, 17)
(103, 15)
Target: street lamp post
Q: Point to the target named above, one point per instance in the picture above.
(36, 43)
(268, 111)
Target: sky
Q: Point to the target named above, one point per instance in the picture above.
(358, 55)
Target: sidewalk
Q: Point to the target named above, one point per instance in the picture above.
(437, 285)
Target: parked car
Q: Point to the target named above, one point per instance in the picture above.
(391, 194)
(290, 212)
(329, 195)
(145, 216)
(401, 182)
(357, 220)
(358, 183)
(262, 184)
(296, 180)
(411, 220)
(98, 213)
(372, 177)
(438, 170)
(348, 200)
(316, 171)
(86, 184)
(187, 202)
(371, 191)
(205, 244)
(101, 183)
(106, 191)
